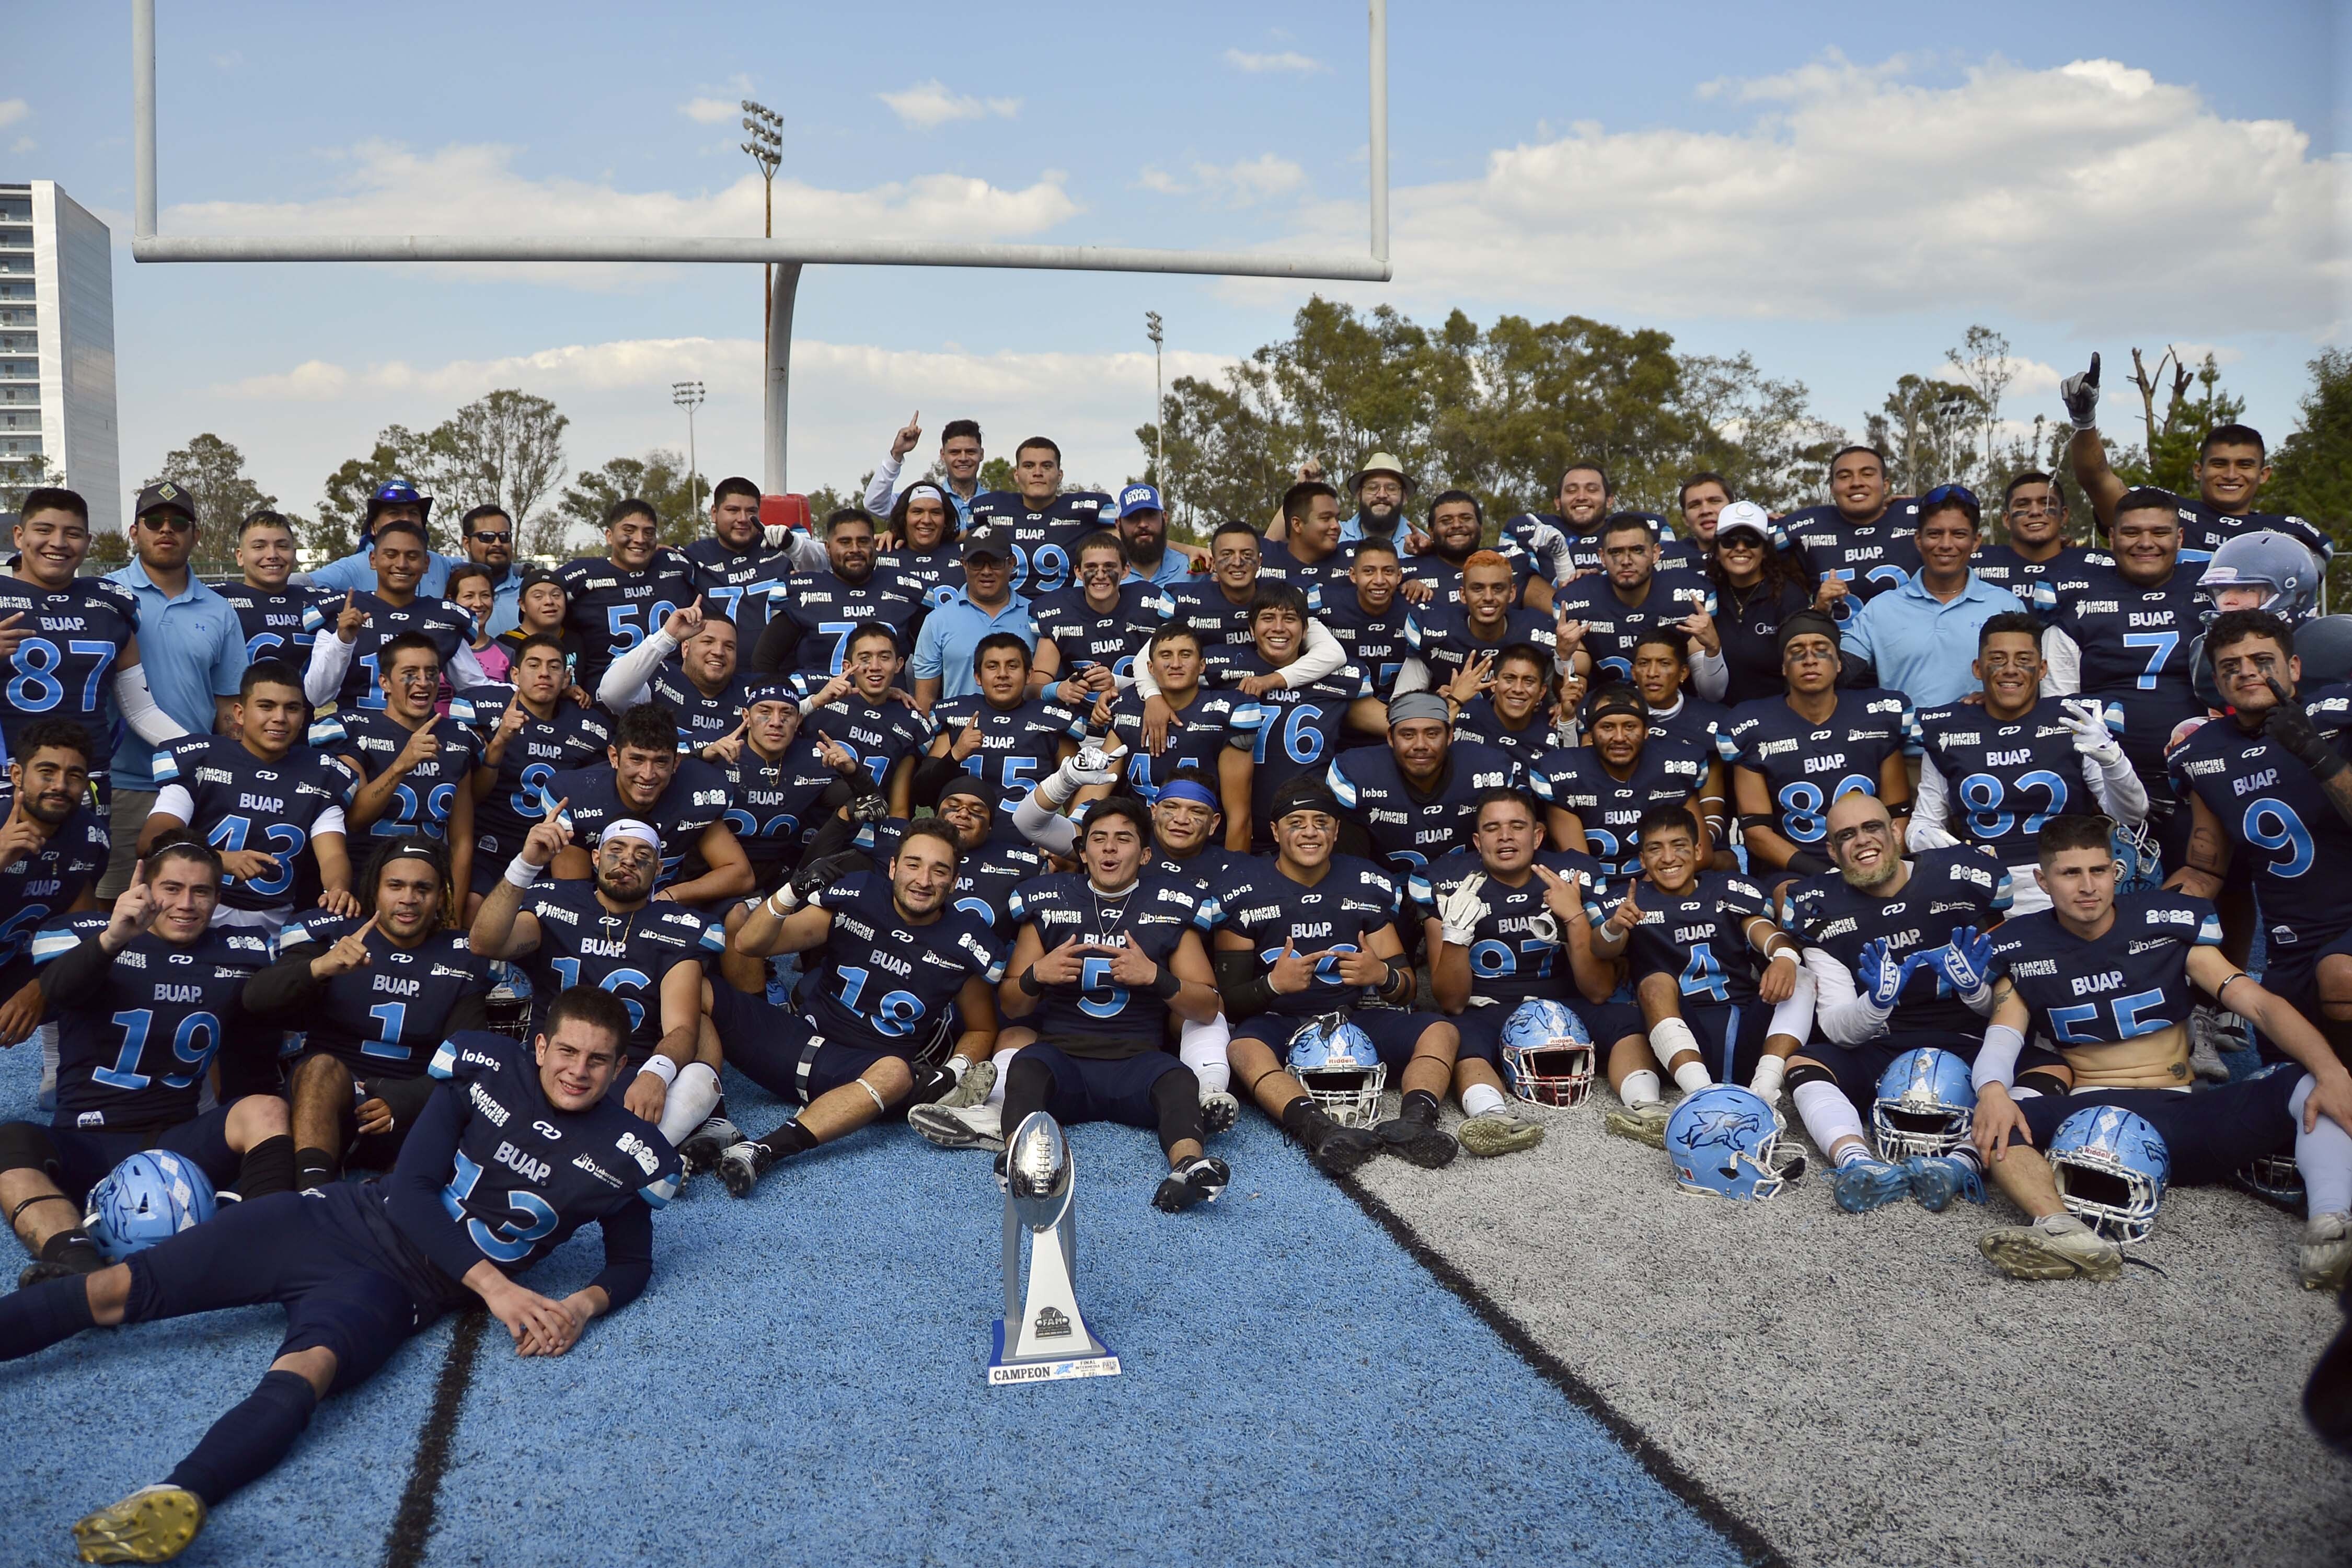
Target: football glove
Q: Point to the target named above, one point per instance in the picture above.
(2081, 395)
(1882, 974)
(2289, 728)
(2093, 739)
(1967, 962)
(1459, 912)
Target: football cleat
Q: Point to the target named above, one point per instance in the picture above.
(740, 1166)
(1499, 1132)
(1201, 1181)
(1936, 1179)
(1418, 1141)
(153, 1525)
(1335, 1150)
(1219, 1111)
(703, 1146)
(972, 1088)
(1867, 1184)
(2056, 1247)
(972, 1127)
(2325, 1259)
(1642, 1123)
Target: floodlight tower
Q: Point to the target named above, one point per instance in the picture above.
(778, 286)
(1159, 402)
(687, 394)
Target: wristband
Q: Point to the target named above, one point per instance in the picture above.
(1400, 969)
(1165, 984)
(662, 1067)
(521, 873)
(792, 901)
(1030, 985)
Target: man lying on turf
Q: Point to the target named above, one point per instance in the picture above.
(2108, 980)
(518, 1148)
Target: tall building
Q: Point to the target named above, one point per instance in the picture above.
(56, 347)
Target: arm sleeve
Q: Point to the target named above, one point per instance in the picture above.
(147, 721)
(1841, 1012)
(880, 497)
(629, 679)
(1794, 1017)
(2062, 664)
(1047, 829)
(628, 1252)
(1997, 1057)
(331, 657)
(1321, 655)
(1412, 676)
(1927, 830)
(777, 640)
(79, 973)
(286, 984)
(2119, 791)
(412, 1191)
(173, 800)
(1239, 986)
(1710, 676)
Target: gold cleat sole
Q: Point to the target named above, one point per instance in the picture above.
(1640, 1128)
(1487, 1136)
(2024, 1253)
(152, 1526)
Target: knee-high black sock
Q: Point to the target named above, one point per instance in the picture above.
(313, 1168)
(787, 1141)
(267, 1167)
(248, 1442)
(1176, 1100)
(1028, 1085)
(39, 1316)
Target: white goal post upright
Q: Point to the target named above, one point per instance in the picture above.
(792, 251)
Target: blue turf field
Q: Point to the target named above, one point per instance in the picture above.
(803, 1383)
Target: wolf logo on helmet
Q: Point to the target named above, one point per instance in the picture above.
(1725, 1142)
(1339, 1069)
(150, 1197)
(1927, 1105)
(2112, 1167)
(1548, 1054)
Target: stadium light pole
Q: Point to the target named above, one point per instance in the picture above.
(687, 394)
(778, 286)
(1159, 403)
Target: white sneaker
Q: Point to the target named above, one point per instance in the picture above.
(2056, 1247)
(960, 1127)
(2325, 1259)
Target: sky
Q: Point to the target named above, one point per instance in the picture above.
(1841, 190)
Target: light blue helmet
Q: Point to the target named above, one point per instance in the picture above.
(152, 1197)
(1726, 1142)
(1336, 1063)
(1926, 1104)
(1546, 1054)
(2112, 1167)
(2268, 560)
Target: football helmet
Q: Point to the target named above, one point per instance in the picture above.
(150, 1197)
(2266, 560)
(1546, 1054)
(1335, 1062)
(395, 493)
(2112, 1167)
(1726, 1142)
(1926, 1103)
(2275, 1179)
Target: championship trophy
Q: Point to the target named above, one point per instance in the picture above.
(1043, 1338)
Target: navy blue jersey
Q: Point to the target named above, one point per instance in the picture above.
(383, 1018)
(1287, 731)
(1044, 543)
(1352, 901)
(1086, 636)
(450, 628)
(1212, 870)
(1948, 890)
(818, 611)
(1018, 745)
(527, 1175)
(2040, 586)
(697, 797)
(49, 880)
(880, 984)
(611, 611)
(2281, 825)
(1869, 558)
(1517, 534)
(771, 807)
(1700, 938)
(1373, 643)
(2204, 531)
(2135, 645)
(1694, 721)
(1096, 1016)
(1325, 577)
(933, 575)
(1574, 778)
(421, 800)
(877, 735)
(1407, 828)
(985, 877)
(1194, 742)
(1201, 602)
(1440, 633)
(574, 738)
(1807, 766)
(66, 668)
(2133, 981)
(2004, 781)
(1479, 721)
(279, 626)
(240, 801)
(722, 575)
(582, 943)
(1508, 964)
(1612, 625)
(702, 717)
(132, 1054)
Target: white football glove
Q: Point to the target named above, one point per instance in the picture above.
(2093, 739)
(1092, 764)
(1459, 912)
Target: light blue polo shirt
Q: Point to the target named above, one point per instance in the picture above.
(1922, 647)
(1172, 568)
(192, 649)
(943, 648)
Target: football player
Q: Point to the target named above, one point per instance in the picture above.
(1594, 793)
(1414, 796)
(1506, 921)
(2108, 980)
(1601, 615)
(349, 668)
(374, 995)
(53, 849)
(1993, 772)
(991, 858)
(864, 712)
(1367, 614)
(1565, 542)
(1218, 606)
(2037, 556)
(613, 603)
(1045, 522)
(894, 971)
(1088, 633)
(261, 801)
(1312, 933)
(812, 613)
(732, 556)
(1308, 555)
(783, 773)
(499, 1176)
(702, 686)
(1792, 756)
(1447, 632)
(684, 799)
(924, 558)
(1859, 545)
(1197, 716)
(144, 997)
(274, 612)
(1435, 562)
(1897, 949)
(1504, 701)
(416, 767)
(1222, 609)
(1282, 731)
(536, 734)
(1000, 735)
(1661, 673)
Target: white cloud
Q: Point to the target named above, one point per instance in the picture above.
(2090, 193)
(1243, 182)
(387, 188)
(929, 105)
(1287, 60)
(711, 111)
(11, 110)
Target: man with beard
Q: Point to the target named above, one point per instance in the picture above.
(1858, 546)
(684, 799)
(1043, 521)
(734, 556)
(53, 846)
(1414, 797)
(348, 667)
(538, 733)
(922, 555)
(811, 614)
(1457, 529)
(2037, 564)
(1366, 616)
(1143, 524)
(989, 863)
(1595, 793)
(615, 602)
(1600, 615)
(702, 686)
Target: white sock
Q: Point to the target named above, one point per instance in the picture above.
(1692, 1077)
(2325, 1154)
(1481, 1098)
(688, 1104)
(1201, 1047)
(1828, 1116)
(1003, 1060)
(1640, 1089)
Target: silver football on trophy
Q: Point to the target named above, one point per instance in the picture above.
(1038, 1170)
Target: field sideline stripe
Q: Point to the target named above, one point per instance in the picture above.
(1662, 1466)
(412, 1522)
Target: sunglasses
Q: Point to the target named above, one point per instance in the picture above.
(167, 523)
(491, 537)
(1943, 493)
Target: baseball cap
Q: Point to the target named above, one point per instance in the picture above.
(1744, 517)
(165, 496)
(531, 576)
(1138, 497)
(986, 540)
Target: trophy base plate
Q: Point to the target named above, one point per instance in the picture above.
(1039, 1368)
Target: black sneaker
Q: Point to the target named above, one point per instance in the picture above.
(741, 1165)
(1201, 1181)
(1418, 1141)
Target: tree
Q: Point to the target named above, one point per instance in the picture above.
(1758, 432)
(21, 475)
(2312, 469)
(1985, 369)
(2193, 404)
(505, 450)
(1926, 428)
(658, 477)
(212, 473)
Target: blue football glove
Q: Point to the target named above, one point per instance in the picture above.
(1882, 974)
(1966, 961)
